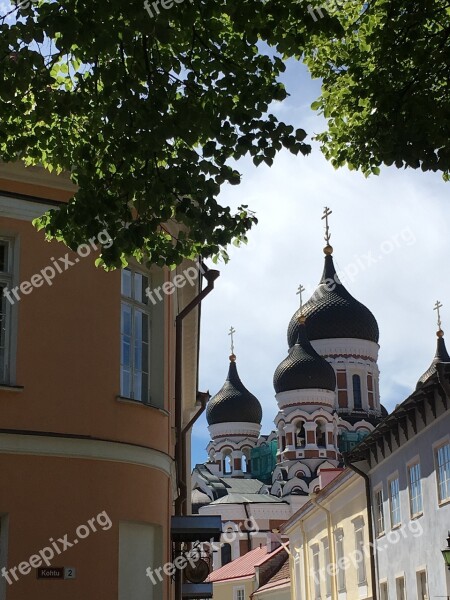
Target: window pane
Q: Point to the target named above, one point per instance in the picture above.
(395, 502)
(126, 283)
(125, 383)
(126, 319)
(357, 400)
(443, 459)
(4, 257)
(140, 285)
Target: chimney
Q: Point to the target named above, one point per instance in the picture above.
(272, 543)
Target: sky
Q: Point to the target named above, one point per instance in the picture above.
(391, 239)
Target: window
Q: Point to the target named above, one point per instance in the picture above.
(316, 570)
(300, 435)
(357, 399)
(394, 497)
(340, 555)
(384, 591)
(225, 554)
(415, 490)
(400, 587)
(326, 552)
(321, 434)
(227, 463)
(135, 337)
(341, 383)
(359, 547)
(422, 593)
(239, 594)
(6, 303)
(379, 512)
(443, 472)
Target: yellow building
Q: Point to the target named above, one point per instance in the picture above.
(329, 541)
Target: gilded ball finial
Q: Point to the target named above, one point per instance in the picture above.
(232, 358)
(440, 333)
(328, 250)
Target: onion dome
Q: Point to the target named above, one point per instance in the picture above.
(303, 368)
(332, 312)
(441, 356)
(233, 403)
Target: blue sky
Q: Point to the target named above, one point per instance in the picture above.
(390, 235)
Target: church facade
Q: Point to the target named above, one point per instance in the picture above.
(327, 394)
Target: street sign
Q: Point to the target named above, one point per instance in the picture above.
(56, 573)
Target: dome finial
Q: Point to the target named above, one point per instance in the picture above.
(437, 306)
(328, 248)
(231, 333)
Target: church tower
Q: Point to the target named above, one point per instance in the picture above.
(234, 422)
(327, 389)
(441, 355)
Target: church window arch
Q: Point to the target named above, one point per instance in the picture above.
(357, 397)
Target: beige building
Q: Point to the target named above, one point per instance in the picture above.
(328, 538)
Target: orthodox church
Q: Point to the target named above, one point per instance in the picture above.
(327, 392)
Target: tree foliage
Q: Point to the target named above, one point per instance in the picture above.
(386, 84)
(148, 115)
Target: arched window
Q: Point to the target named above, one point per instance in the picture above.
(357, 399)
(244, 464)
(227, 464)
(321, 434)
(225, 554)
(300, 435)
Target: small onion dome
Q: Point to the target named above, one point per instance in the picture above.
(303, 368)
(332, 312)
(233, 403)
(441, 356)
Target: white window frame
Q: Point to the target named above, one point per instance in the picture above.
(145, 308)
(340, 554)
(9, 278)
(399, 578)
(422, 571)
(380, 520)
(239, 593)
(359, 546)
(411, 468)
(315, 551)
(384, 583)
(394, 477)
(327, 561)
(437, 447)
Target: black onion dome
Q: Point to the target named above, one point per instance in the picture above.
(303, 368)
(233, 403)
(332, 312)
(441, 356)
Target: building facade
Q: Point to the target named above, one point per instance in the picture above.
(407, 459)
(87, 390)
(328, 538)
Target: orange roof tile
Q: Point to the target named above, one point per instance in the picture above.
(244, 566)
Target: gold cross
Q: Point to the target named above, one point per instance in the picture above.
(301, 289)
(437, 306)
(231, 332)
(326, 213)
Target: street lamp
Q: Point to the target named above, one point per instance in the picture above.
(446, 552)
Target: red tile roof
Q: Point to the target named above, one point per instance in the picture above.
(244, 566)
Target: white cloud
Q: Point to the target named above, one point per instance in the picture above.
(256, 292)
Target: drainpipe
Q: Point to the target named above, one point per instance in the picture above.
(305, 560)
(202, 399)
(369, 524)
(180, 448)
(312, 497)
